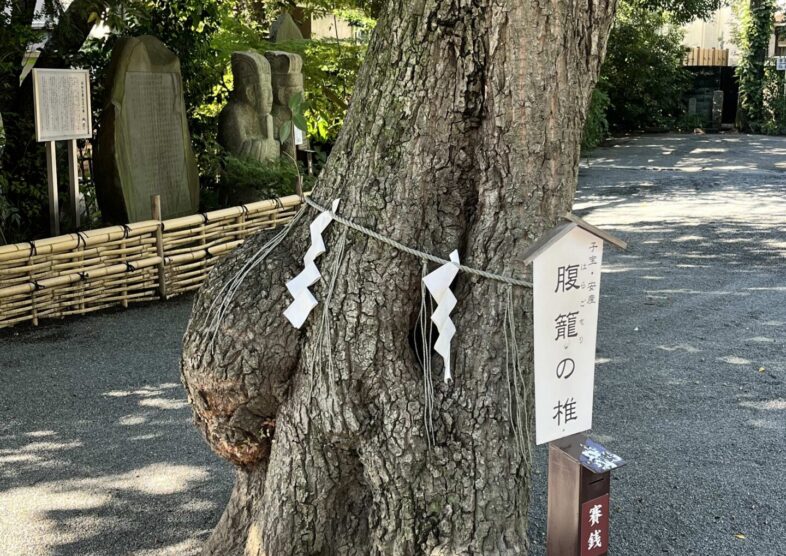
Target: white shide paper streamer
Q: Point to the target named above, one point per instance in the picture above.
(438, 284)
(304, 301)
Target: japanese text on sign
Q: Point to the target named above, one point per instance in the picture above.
(62, 104)
(595, 526)
(567, 290)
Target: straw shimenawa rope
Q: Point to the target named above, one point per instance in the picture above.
(415, 252)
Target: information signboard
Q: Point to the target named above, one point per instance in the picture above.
(566, 280)
(62, 104)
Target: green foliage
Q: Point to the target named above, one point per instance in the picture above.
(774, 102)
(679, 11)
(689, 122)
(643, 74)
(20, 207)
(10, 218)
(755, 30)
(596, 128)
(244, 180)
(297, 105)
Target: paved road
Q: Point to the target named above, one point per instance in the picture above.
(98, 456)
(691, 357)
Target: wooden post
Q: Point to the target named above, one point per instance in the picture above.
(155, 204)
(51, 174)
(299, 188)
(73, 181)
(570, 487)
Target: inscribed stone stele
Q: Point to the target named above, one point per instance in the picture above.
(144, 146)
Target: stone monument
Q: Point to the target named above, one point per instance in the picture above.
(143, 146)
(287, 76)
(717, 109)
(245, 126)
(285, 29)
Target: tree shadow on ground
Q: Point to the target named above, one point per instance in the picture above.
(690, 365)
(98, 454)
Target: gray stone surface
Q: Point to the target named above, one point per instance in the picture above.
(692, 106)
(246, 123)
(287, 75)
(144, 147)
(285, 29)
(717, 109)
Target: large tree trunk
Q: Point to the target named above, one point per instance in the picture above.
(463, 134)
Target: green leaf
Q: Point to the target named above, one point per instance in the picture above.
(295, 102)
(285, 131)
(300, 121)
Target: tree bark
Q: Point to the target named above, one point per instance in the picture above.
(463, 134)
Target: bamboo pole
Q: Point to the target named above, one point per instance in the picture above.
(155, 205)
(86, 272)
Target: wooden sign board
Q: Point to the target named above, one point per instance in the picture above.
(566, 281)
(62, 104)
(594, 538)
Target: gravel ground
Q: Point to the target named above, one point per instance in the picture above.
(98, 455)
(690, 360)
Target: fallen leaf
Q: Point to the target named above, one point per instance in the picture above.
(762, 369)
(740, 536)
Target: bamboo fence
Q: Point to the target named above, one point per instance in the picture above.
(698, 56)
(89, 271)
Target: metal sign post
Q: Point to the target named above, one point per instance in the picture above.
(62, 113)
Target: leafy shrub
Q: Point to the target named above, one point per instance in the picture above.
(596, 128)
(643, 72)
(244, 181)
(753, 38)
(773, 112)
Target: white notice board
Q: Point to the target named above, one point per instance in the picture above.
(299, 136)
(566, 280)
(62, 104)
(780, 63)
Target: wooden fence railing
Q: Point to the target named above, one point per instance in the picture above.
(698, 56)
(88, 271)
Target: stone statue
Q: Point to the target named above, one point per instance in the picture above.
(285, 29)
(286, 70)
(144, 147)
(245, 126)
